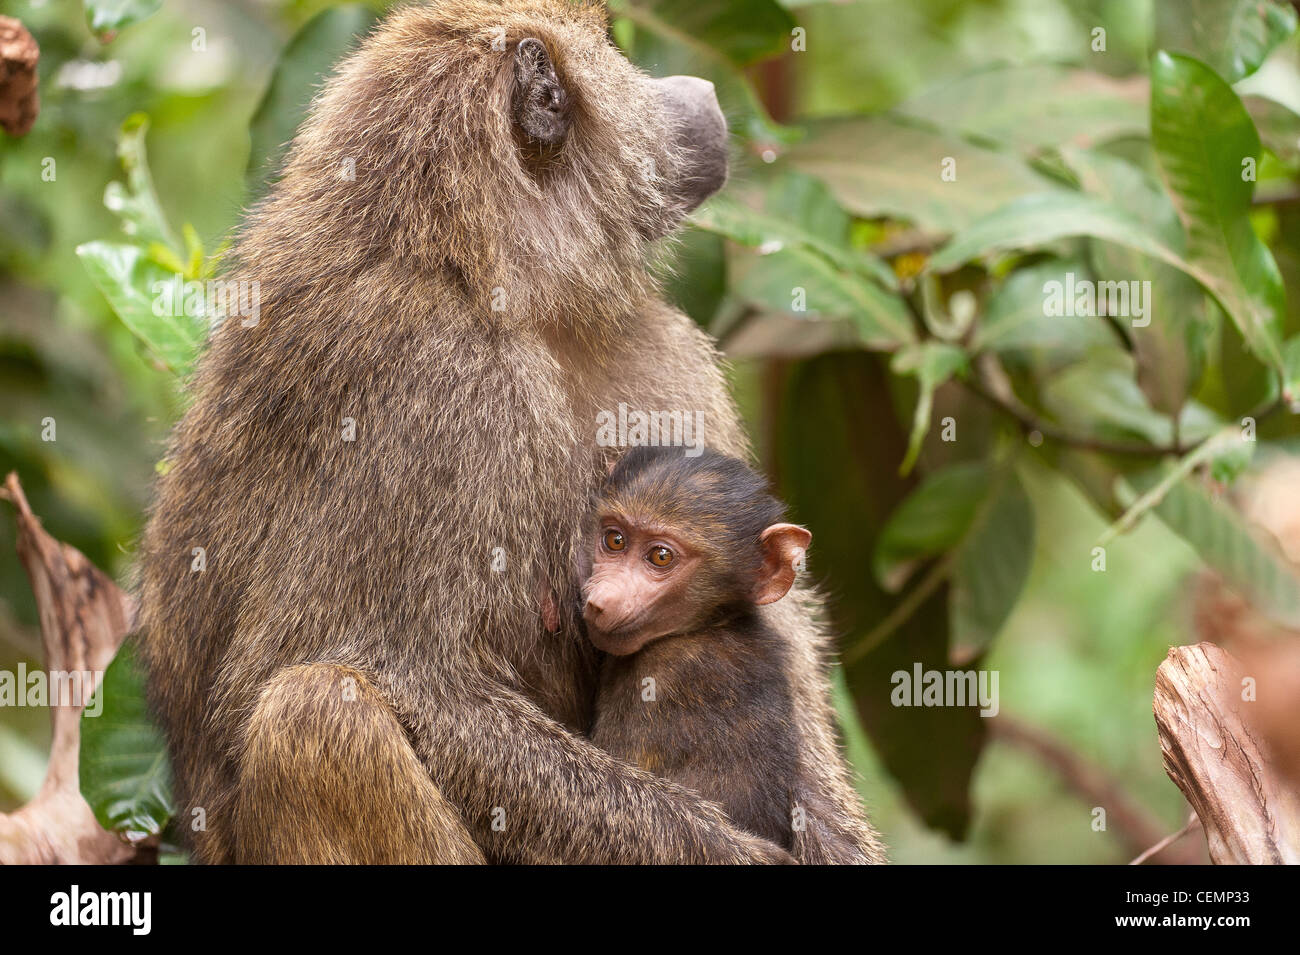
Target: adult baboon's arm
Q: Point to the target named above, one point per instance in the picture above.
(533, 792)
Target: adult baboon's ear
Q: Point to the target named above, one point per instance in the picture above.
(541, 105)
(784, 546)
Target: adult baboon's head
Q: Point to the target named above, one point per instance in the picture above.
(510, 144)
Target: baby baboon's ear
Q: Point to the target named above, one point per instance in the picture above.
(541, 104)
(783, 548)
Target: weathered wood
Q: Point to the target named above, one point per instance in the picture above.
(84, 616)
(1214, 751)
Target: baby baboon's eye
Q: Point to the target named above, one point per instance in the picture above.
(614, 539)
(661, 556)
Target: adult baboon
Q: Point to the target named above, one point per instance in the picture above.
(387, 473)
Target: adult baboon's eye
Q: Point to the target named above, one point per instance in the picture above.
(614, 539)
(661, 556)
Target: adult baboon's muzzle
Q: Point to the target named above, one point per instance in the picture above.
(701, 137)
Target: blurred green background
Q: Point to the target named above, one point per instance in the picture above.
(842, 115)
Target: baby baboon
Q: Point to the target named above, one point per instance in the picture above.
(682, 552)
(380, 479)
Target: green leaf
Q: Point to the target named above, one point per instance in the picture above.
(1170, 339)
(1016, 318)
(136, 203)
(991, 568)
(885, 166)
(836, 426)
(165, 257)
(1291, 371)
(1278, 126)
(760, 230)
(299, 73)
(193, 252)
(933, 363)
(142, 281)
(106, 17)
(1242, 381)
(1203, 137)
(744, 31)
(1233, 37)
(125, 774)
(931, 521)
(1032, 107)
(1220, 535)
(806, 201)
(779, 280)
(1100, 396)
(139, 288)
(979, 514)
(1037, 220)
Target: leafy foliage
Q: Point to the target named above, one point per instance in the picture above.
(884, 166)
(1232, 37)
(136, 277)
(975, 515)
(106, 17)
(1206, 145)
(124, 771)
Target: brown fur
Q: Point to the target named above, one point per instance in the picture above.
(697, 687)
(721, 722)
(474, 431)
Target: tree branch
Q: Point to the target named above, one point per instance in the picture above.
(1217, 757)
(993, 387)
(1169, 840)
(1136, 827)
(84, 616)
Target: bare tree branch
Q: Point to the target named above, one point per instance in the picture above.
(1133, 823)
(1214, 752)
(84, 616)
(1169, 840)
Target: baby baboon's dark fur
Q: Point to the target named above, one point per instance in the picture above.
(722, 720)
(720, 723)
(389, 471)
